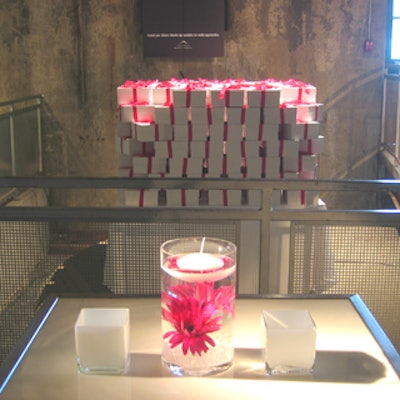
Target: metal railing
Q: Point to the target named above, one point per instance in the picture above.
(391, 115)
(21, 137)
(265, 214)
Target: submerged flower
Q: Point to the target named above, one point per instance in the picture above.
(193, 320)
(195, 311)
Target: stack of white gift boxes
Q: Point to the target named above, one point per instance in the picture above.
(218, 129)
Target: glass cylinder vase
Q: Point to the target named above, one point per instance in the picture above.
(198, 290)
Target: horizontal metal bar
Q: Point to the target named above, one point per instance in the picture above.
(38, 97)
(200, 183)
(144, 214)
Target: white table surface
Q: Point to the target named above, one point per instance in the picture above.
(350, 363)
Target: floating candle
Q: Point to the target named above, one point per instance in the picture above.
(200, 262)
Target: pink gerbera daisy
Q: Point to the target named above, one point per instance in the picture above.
(192, 320)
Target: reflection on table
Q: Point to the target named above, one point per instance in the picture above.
(350, 360)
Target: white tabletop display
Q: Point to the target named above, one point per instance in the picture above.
(198, 304)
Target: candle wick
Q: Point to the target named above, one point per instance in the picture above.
(202, 245)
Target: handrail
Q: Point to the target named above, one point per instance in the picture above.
(265, 214)
(37, 97)
(199, 183)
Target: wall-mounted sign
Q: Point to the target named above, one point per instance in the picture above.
(183, 28)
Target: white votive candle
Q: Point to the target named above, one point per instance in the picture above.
(288, 341)
(102, 340)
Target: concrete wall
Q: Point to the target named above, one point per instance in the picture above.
(76, 52)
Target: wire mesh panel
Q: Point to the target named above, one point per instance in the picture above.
(344, 259)
(37, 258)
(133, 252)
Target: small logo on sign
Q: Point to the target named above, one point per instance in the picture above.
(183, 45)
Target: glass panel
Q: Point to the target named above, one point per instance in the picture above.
(5, 148)
(396, 8)
(26, 140)
(395, 50)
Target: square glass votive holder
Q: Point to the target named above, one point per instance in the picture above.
(102, 340)
(288, 341)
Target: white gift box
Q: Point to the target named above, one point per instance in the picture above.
(218, 133)
(234, 166)
(161, 96)
(164, 132)
(302, 113)
(145, 132)
(300, 131)
(163, 115)
(198, 132)
(307, 162)
(125, 113)
(216, 149)
(175, 167)
(102, 340)
(200, 115)
(218, 115)
(125, 129)
(143, 113)
(199, 149)
(263, 98)
(193, 167)
(287, 148)
(174, 197)
(233, 133)
(272, 148)
(312, 146)
(181, 97)
(250, 148)
(288, 341)
(216, 165)
(234, 98)
(181, 115)
(141, 166)
(125, 95)
(290, 163)
(125, 172)
(252, 118)
(269, 131)
(190, 198)
(232, 197)
(304, 93)
(199, 98)
(124, 161)
(299, 198)
(216, 198)
(217, 101)
(271, 115)
(181, 132)
(253, 167)
(234, 149)
(235, 115)
(252, 133)
(140, 197)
